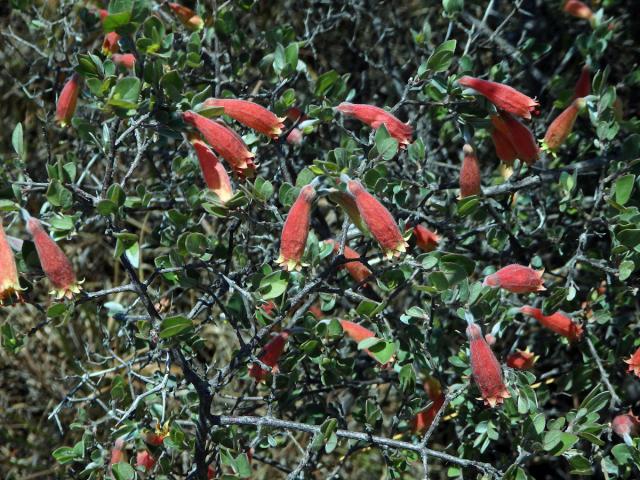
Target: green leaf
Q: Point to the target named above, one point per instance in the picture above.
(274, 285)
(64, 455)
(17, 140)
(125, 94)
(325, 82)
(630, 238)
(172, 326)
(626, 269)
(441, 58)
(123, 471)
(196, 244)
(383, 351)
(624, 187)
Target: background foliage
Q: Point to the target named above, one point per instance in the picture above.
(174, 283)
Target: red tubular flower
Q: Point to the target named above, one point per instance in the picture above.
(375, 117)
(423, 420)
(9, 283)
(296, 230)
(316, 312)
(626, 425)
(68, 100)
(358, 270)
(469, 173)
(583, 86)
(490, 339)
(272, 353)
(358, 333)
(54, 262)
(503, 96)
(110, 43)
(485, 368)
(634, 363)
(103, 13)
(187, 16)
(250, 114)
(562, 126)
(117, 455)
(578, 9)
(426, 240)
(516, 279)
(505, 151)
(521, 360)
(213, 172)
(294, 137)
(522, 141)
(557, 322)
(125, 60)
(224, 141)
(145, 460)
(378, 219)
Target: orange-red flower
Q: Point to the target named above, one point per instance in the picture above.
(423, 420)
(426, 240)
(516, 279)
(224, 141)
(110, 43)
(68, 100)
(103, 13)
(583, 85)
(375, 117)
(358, 333)
(522, 141)
(562, 126)
(213, 172)
(469, 173)
(634, 362)
(505, 151)
(270, 356)
(9, 283)
(521, 359)
(125, 60)
(358, 270)
(578, 9)
(186, 16)
(556, 322)
(117, 454)
(54, 262)
(296, 230)
(502, 96)
(486, 369)
(316, 311)
(379, 221)
(156, 437)
(250, 114)
(145, 460)
(626, 425)
(295, 137)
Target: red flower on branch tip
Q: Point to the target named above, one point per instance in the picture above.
(556, 322)
(250, 114)
(358, 333)
(513, 139)
(634, 363)
(379, 221)
(426, 240)
(270, 356)
(358, 270)
(375, 117)
(68, 100)
(423, 420)
(187, 16)
(516, 279)
(125, 60)
(110, 43)
(296, 229)
(145, 460)
(625, 426)
(9, 281)
(215, 176)
(521, 359)
(562, 126)
(578, 9)
(503, 96)
(470, 182)
(583, 85)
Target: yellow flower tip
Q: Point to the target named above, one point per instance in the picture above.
(68, 293)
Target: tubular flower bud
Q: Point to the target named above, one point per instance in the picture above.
(316, 312)
(296, 230)
(213, 172)
(557, 322)
(634, 363)
(117, 455)
(358, 333)
(426, 240)
(583, 86)
(505, 151)
(469, 173)
(490, 339)
(103, 13)
(272, 353)
(250, 114)
(294, 137)
(110, 43)
(522, 140)
(626, 425)
(54, 262)
(485, 368)
(376, 117)
(578, 9)
(125, 60)
(9, 283)
(348, 204)
(224, 141)
(378, 219)
(516, 279)
(358, 270)
(68, 100)
(503, 96)
(187, 16)
(157, 436)
(145, 460)
(521, 360)
(562, 126)
(423, 420)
